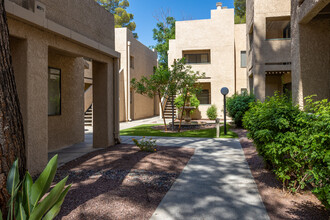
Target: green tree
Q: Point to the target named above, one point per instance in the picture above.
(118, 9)
(183, 81)
(154, 85)
(162, 34)
(240, 11)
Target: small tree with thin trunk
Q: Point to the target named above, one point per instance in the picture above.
(154, 85)
(184, 82)
(12, 145)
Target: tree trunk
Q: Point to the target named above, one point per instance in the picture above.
(182, 112)
(12, 143)
(162, 109)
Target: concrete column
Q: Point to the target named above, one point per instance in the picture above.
(36, 105)
(116, 99)
(129, 81)
(103, 101)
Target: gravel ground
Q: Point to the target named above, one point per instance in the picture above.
(280, 204)
(120, 182)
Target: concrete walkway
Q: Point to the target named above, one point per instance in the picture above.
(70, 153)
(215, 184)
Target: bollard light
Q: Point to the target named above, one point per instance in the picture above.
(224, 91)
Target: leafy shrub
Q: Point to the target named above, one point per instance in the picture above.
(294, 143)
(212, 112)
(146, 145)
(27, 198)
(237, 105)
(193, 102)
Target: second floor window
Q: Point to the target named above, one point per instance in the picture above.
(202, 56)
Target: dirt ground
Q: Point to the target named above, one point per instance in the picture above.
(120, 182)
(280, 204)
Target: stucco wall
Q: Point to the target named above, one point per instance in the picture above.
(79, 16)
(310, 51)
(265, 55)
(217, 35)
(68, 128)
(144, 62)
(240, 45)
(34, 101)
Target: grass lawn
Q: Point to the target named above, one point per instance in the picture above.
(146, 130)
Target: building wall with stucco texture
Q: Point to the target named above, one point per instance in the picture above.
(265, 54)
(217, 35)
(36, 46)
(144, 62)
(310, 50)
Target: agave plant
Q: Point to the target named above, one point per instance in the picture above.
(28, 200)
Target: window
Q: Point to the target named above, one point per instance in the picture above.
(54, 91)
(204, 97)
(243, 59)
(278, 28)
(202, 56)
(132, 62)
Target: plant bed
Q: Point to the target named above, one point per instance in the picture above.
(280, 204)
(120, 182)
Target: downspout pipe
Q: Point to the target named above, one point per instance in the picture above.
(129, 81)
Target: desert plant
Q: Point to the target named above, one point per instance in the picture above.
(294, 143)
(237, 105)
(28, 200)
(146, 145)
(212, 112)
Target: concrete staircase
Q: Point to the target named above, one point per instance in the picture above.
(89, 116)
(168, 108)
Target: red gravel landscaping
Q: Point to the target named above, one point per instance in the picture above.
(120, 182)
(279, 204)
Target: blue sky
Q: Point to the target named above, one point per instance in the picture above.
(144, 11)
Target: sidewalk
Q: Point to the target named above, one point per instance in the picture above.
(77, 150)
(216, 183)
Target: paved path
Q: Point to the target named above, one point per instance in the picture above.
(215, 184)
(69, 153)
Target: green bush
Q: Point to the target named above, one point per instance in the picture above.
(237, 105)
(294, 143)
(212, 112)
(193, 102)
(28, 200)
(146, 145)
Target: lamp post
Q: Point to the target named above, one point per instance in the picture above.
(224, 91)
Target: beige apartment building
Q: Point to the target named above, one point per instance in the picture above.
(268, 46)
(49, 41)
(136, 60)
(310, 49)
(217, 47)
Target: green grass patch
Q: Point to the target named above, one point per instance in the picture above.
(147, 130)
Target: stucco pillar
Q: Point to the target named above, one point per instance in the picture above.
(116, 99)
(36, 105)
(103, 101)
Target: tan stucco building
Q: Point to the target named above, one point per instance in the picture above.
(136, 60)
(214, 46)
(268, 46)
(310, 49)
(48, 41)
